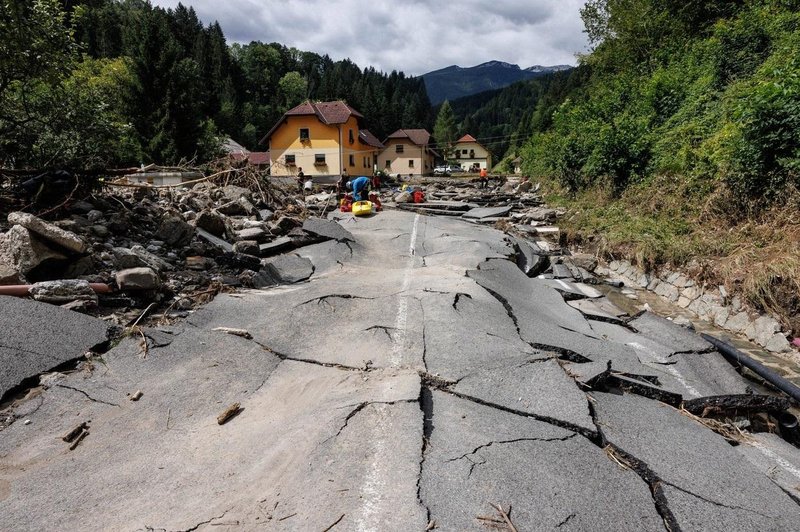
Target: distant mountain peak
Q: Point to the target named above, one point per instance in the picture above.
(501, 64)
(454, 82)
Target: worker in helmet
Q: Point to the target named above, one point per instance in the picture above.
(359, 187)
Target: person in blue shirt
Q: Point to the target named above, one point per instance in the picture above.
(360, 188)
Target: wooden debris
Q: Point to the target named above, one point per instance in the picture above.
(229, 413)
(74, 433)
(505, 515)
(78, 440)
(733, 405)
(236, 332)
(136, 395)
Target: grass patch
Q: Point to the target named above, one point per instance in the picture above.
(693, 226)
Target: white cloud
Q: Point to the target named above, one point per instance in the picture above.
(415, 36)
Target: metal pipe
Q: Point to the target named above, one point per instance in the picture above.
(734, 355)
(789, 429)
(21, 290)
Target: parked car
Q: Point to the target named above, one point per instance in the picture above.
(441, 170)
(455, 169)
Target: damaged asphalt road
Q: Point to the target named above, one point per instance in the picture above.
(415, 380)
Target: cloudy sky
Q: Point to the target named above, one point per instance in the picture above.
(415, 36)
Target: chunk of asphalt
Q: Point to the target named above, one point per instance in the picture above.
(279, 245)
(285, 269)
(529, 257)
(474, 458)
(327, 256)
(328, 229)
(38, 337)
(681, 339)
(536, 386)
(707, 484)
(561, 271)
(692, 375)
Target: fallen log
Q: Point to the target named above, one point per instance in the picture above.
(733, 405)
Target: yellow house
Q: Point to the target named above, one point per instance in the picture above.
(407, 152)
(471, 154)
(322, 139)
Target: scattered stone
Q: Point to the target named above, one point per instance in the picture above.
(257, 234)
(21, 252)
(63, 291)
(211, 222)
(248, 247)
(327, 229)
(175, 232)
(138, 279)
(238, 261)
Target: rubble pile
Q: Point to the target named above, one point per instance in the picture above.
(133, 246)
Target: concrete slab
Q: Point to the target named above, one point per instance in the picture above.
(38, 337)
(487, 212)
(327, 229)
(285, 269)
(705, 480)
(473, 459)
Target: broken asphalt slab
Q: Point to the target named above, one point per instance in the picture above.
(327, 229)
(474, 458)
(487, 212)
(704, 479)
(38, 337)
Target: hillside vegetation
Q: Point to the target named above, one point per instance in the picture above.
(683, 145)
(99, 83)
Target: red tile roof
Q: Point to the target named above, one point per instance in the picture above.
(369, 139)
(258, 158)
(467, 138)
(328, 113)
(420, 137)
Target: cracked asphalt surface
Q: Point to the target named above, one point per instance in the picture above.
(415, 379)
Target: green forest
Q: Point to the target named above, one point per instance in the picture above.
(681, 144)
(100, 83)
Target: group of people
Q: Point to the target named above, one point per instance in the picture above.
(360, 186)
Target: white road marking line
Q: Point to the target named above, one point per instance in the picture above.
(777, 459)
(401, 319)
(669, 368)
(378, 480)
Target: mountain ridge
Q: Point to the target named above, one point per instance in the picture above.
(454, 81)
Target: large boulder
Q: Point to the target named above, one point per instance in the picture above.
(20, 253)
(48, 232)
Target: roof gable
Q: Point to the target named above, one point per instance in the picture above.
(467, 138)
(336, 112)
(369, 139)
(420, 137)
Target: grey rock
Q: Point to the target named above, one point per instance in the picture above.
(234, 193)
(257, 234)
(124, 258)
(721, 316)
(765, 329)
(175, 232)
(100, 230)
(94, 215)
(212, 222)
(778, 344)
(585, 261)
(738, 323)
(21, 252)
(48, 232)
(63, 291)
(248, 247)
(153, 261)
(138, 279)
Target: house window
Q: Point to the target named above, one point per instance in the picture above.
(388, 164)
(398, 148)
(304, 134)
(464, 152)
(290, 160)
(411, 163)
(350, 137)
(319, 158)
(472, 154)
(352, 160)
(366, 162)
